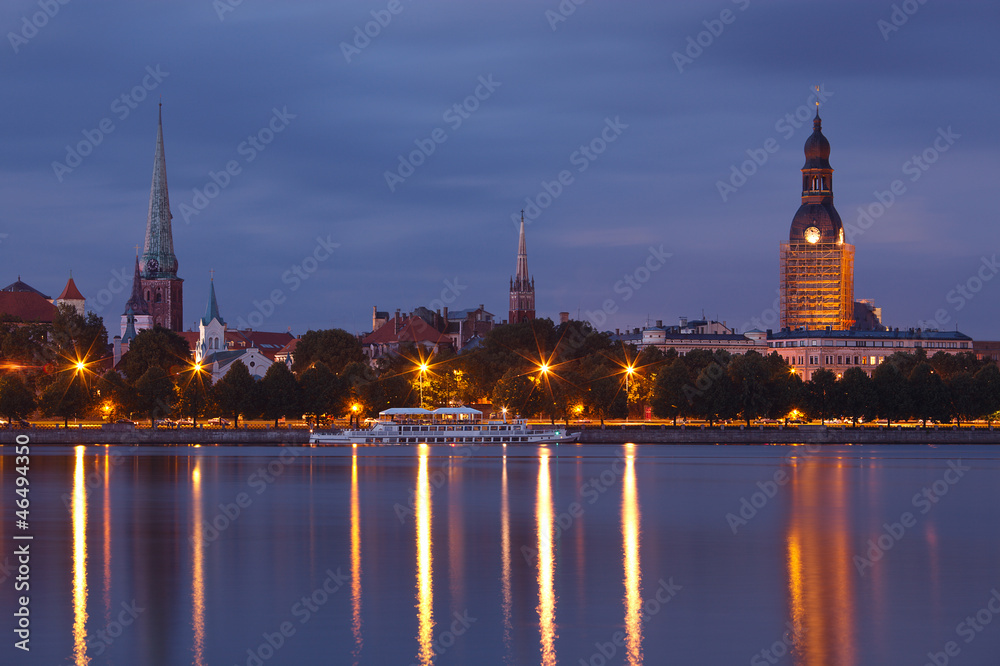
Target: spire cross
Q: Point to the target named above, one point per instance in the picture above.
(136, 250)
(211, 272)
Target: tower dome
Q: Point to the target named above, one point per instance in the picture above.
(817, 148)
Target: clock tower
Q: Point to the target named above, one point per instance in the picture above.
(817, 265)
(161, 288)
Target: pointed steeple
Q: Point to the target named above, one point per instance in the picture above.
(522, 257)
(130, 333)
(522, 287)
(212, 311)
(158, 259)
(136, 303)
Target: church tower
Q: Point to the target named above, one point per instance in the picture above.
(136, 313)
(522, 288)
(211, 328)
(817, 265)
(161, 288)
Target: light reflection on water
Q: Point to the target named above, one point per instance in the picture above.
(214, 589)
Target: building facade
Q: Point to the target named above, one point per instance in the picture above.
(817, 265)
(838, 351)
(161, 288)
(522, 286)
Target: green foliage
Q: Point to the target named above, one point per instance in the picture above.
(279, 393)
(892, 391)
(669, 399)
(323, 392)
(154, 393)
(193, 395)
(67, 396)
(334, 347)
(821, 397)
(234, 394)
(856, 397)
(112, 387)
(156, 346)
(17, 401)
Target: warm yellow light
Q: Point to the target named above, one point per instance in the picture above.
(579, 409)
(503, 409)
(355, 407)
(544, 367)
(80, 365)
(630, 369)
(423, 367)
(197, 367)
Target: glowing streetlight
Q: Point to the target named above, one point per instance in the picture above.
(423, 373)
(503, 410)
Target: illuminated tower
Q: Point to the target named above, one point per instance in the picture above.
(522, 288)
(817, 266)
(161, 288)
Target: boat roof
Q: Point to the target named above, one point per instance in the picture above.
(398, 411)
(456, 411)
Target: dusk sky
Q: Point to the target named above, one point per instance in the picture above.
(671, 119)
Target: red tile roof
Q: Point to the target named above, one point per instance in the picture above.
(70, 292)
(28, 305)
(412, 329)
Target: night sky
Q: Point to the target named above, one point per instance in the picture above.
(642, 124)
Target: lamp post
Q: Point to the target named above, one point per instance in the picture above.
(423, 373)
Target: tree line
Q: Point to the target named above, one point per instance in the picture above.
(533, 369)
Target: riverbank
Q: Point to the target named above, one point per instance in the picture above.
(650, 434)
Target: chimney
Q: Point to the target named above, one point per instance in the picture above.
(617, 332)
(563, 317)
(446, 314)
(659, 323)
(635, 331)
(396, 320)
(684, 322)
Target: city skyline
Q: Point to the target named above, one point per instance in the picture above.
(634, 130)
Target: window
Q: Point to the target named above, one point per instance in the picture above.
(840, 360)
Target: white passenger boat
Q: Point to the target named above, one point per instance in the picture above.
(447, 425)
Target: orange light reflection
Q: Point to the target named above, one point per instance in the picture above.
(425, 593)
(546, 563)
(630, 560)
(79, 504)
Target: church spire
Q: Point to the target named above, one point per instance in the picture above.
(522, 287)
(522, 256)
(158, 259)
(212, 311)
(136, 303)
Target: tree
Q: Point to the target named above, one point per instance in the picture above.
(279, 393)
(892, 395)
(67, 396)
(122, 397)
(669, 399)
(516, 393)
(856, 396)
(155, 346)
(234, 393)
(334, 347)
(784, 386)
(194, 395)
(154, 393)
(605, 393)
(16, 400)
(821, 394)
(750, 376)
(929, 395)
(322, 392)
(77, 336)
(988, 387)
(966, 400)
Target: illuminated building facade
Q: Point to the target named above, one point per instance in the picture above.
(817, 265)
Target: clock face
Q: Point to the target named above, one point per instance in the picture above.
(152, 265)
(812, 235)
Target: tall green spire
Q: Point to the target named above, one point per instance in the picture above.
(158, 259)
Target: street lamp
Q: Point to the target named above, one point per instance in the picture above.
(423, 373)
